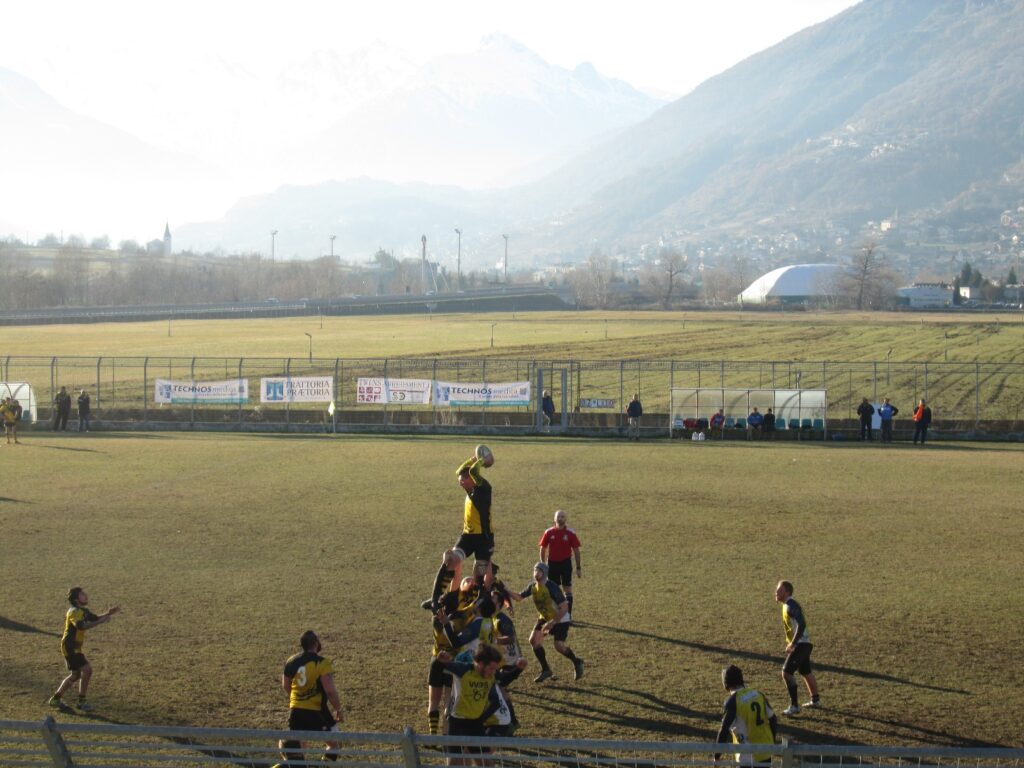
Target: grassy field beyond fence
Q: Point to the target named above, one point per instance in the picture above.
(970, 366)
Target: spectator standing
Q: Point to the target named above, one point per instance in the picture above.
(717, 422)
(922, 420)
(62, 409)
(633, 412)
(84, 411)
(559, 546)
(886, 412)
(769, 424)
(547, 409)
(866, 410)
(754, 423)
(748, 719)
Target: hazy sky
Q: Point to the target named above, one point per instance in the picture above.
(671, 45)
(102, 59)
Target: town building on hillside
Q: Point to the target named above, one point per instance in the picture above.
(927, 295)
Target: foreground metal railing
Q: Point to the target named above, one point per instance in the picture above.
(49, 743)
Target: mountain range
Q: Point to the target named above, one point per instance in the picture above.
(901, 109)
(495, 116)
(895, 108)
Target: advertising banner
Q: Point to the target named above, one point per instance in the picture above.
(297, 389)
(233, 391)
(482, 395)
(402, 391)
(597, 402)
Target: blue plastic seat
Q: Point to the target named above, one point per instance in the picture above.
(806, 424)
(819, 425)
(730, 422)
(780, 424)
(741, 422)
(794, 423)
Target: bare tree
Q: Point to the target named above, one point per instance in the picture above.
(867, 279)
(667, 274)
(591, 282)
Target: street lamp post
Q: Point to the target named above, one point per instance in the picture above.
(273, 235)
(310, 336)
(506, 259)
(458, 262)
(332, 245)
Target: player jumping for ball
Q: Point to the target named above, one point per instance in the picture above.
(477, 537)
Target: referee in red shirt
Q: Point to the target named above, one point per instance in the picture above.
(558, 547)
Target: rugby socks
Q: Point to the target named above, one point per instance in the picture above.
(792, 693)
(433, 720)
(442, 581)
(569, 654)
(568, 599)
(542, 657)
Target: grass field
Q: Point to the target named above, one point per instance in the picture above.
(847, 336)
(94, 356)
(223, 549)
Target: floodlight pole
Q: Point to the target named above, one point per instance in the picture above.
(273, 236)
(458, 262)
(505, 264)
(332, 245)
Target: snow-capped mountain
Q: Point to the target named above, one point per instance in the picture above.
(478, 119)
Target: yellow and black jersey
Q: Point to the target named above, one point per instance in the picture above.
(477, 515)
(794, 622)
(306, 670)
(748, 719)
(458, 618)
(479, 630)
(505, 627)
(546, 598)
(473, 695)
(9, 413)
(74, 634)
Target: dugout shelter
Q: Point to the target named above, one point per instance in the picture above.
(23, 393)
(802, 410)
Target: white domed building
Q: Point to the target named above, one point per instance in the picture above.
(796, 284)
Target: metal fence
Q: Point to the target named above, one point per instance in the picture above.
(122, 388)
(64, 745)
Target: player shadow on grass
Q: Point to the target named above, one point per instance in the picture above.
(891, 729)
(658, 718)
(66, 448)
(769, 658)
(13, 501)
(17, 626)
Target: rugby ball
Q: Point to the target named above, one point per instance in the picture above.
(483, 453)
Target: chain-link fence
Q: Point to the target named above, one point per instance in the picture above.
(962, 395)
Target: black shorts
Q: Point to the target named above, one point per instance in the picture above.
(479, 545)
(507, 675)
(76, 662)
(438, 677)
(560, 572)
(799, 660)
(309, 720)
(560, 632)
(459, 727)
